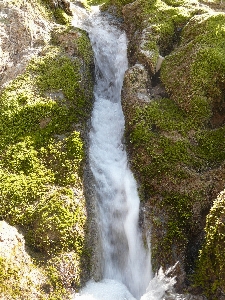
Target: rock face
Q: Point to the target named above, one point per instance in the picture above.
(175, 131)
(19, 278)
(22, 36)
(45, 101)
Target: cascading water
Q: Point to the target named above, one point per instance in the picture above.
(125, 259)
(126, 263)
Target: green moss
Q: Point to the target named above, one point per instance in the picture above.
(210, 273)
(169, 150)
(176, 3)
(57, 11)
(12, 286)
(55, 282)
(210, 145)
(165, 150)
(55, 71)
(116, 4)
(31, 158)
(41, 160)
(62, 17)
(9, 275)
(58, 223)
(168, 128)
(164, 20)
(179, 215)
(196, 83)
(84, 48)
(17, 280)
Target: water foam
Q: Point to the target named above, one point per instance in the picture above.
(105, 290)
(159, 288)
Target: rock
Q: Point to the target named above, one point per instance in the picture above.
(136, 84)
(191, 73)
(159, 63)
(174, 120)
(25, 279)
(46, 97)
(148, 53)
(22, 36)
(64, 4)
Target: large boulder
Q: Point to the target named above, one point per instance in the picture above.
(194, 73)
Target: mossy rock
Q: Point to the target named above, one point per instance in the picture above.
(175, 139)
(60, 9)
(154, 28)
(194, 74)
(43, 114)
(177, 165)
(58, 223)
(56, 11)
(210, 273)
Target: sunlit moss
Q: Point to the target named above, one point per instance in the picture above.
(58, 223)
(9, 274)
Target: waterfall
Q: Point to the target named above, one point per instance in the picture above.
(125, 258)
(126, 266)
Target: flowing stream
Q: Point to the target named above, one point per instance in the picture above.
(124, 257)
(126, 264)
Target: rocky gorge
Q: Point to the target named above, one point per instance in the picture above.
(173, 101)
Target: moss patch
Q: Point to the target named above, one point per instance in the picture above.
(154, 28)
(58, 10)
(170, 151)
(9, 274)
(210, 273)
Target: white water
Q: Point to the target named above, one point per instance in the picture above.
(126, 263)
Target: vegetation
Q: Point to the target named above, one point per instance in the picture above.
(8, 274)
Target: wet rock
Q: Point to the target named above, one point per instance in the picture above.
(136, 84)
